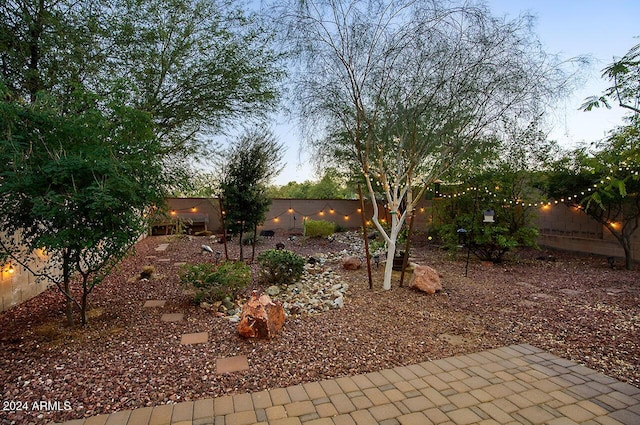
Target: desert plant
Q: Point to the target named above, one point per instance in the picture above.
(280, 266)
(147, 272)
(339, 228)
(213, 282)
(319, 228)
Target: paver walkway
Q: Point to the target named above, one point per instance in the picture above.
(519, 384)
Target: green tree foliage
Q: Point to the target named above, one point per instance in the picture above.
(49, 45)
(76, 184)
(330, 186)
(604, 182)
(488, 241)
(624, 73)
(609, 172)
(251, 162)
(196, 64)
(507, 183)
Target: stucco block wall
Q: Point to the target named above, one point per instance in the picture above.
(18, 286)
(570, 229)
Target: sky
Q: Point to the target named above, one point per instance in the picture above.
(599, 29)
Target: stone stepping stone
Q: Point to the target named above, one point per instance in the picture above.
(195, 338)
(172, 317)
(571, 292)
(163, 260)
(179, 264)
(162, 247)
(453, 339)
(231, 364)
(154, 303)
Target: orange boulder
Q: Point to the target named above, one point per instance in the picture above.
(261, 317)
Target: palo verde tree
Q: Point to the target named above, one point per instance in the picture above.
(74, 187)
(250, 163)
(403, 90)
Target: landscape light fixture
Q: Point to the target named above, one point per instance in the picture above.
(462, 237)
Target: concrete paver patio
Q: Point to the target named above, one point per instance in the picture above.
(519, 384)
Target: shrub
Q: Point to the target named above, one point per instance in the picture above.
(215, 282)
(491, 242)
(280, 266)
(319, 228)
(247, 239)
(339, 228)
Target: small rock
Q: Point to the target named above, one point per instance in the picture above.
(273, 290)
(351, 263)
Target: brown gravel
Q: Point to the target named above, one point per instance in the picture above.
(575, 307)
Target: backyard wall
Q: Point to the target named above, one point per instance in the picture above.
(560, 227)
(284, 214)
(571, 229)
(18, 284)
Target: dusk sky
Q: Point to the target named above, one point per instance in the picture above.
(599, 29)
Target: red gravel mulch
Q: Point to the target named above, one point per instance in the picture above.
(126, 357)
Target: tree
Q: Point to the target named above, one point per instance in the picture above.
(507, 184)
(250, 163)
(48, 45)
(401, 91)
(330, 186)
(75, 187)
(613, 166)
(624, 73)
(604, 183)
(197, 65)
(194, 65)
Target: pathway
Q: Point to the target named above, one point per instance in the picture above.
(519, 384)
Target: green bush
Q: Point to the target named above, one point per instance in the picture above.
(213, 282)
(319, 228)
(339, 228)
(247, 239)
(280, 266)
(490, 242)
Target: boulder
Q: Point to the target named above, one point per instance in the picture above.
(425, 279)
(260, 317)
(351, 263)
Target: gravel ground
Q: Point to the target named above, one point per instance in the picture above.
(126, 358)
